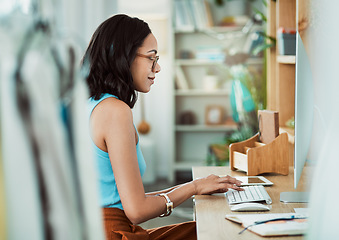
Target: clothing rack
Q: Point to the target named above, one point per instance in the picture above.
(46, 153)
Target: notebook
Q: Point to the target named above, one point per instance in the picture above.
(275, 224)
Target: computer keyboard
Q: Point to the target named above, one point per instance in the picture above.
(256, 193)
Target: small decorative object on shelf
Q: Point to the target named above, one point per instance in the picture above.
(217, 155)
(143, 127)
(214, 114)
(187, 118)
(211, 80)
(287, 41)
(180, 79)
(186, 54)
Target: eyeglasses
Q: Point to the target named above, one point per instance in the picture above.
(154, 59)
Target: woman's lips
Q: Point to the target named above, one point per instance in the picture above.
(151, 79)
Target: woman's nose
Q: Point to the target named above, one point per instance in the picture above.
(157, 68)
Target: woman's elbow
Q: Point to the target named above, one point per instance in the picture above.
(135, 216)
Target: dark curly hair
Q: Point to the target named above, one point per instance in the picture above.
(110, 54)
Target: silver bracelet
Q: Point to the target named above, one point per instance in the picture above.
(169, 205)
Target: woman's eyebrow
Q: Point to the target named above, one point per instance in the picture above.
(155, 51)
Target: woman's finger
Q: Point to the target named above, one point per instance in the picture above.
(233, 186)
(230, 180)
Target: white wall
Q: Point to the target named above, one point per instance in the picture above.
(158, 102)
(81, 17)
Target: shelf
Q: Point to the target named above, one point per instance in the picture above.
(220, 29)
(199, 62)
(286, 59)
(224, 33)
(196, 62)
(205, 128)
(217, 29)
(201, 92)
(225, 29)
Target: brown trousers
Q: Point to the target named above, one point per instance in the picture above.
(119, 227)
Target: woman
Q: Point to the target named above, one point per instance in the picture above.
(122, 60)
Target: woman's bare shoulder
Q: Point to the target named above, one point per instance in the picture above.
(113, 107)
(105, 118)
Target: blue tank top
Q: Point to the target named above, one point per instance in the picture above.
(109, 195)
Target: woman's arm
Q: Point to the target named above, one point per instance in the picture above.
(163, 191)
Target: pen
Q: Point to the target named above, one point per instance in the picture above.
(281, 218)
(272, 220)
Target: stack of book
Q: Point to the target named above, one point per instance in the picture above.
(210, 53)
(191, 15)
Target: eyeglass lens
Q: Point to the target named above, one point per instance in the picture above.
(155, 61)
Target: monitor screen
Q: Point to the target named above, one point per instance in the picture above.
(305, 111)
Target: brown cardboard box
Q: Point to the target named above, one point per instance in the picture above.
(268, 125)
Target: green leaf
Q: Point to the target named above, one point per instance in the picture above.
(262, 47)
(273, 39)
(264, 2)
(263, 16)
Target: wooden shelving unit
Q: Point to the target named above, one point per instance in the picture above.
(281, 68)
(286, 59)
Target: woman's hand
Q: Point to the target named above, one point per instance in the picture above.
(215, 184)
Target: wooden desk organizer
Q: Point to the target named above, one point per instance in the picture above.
(255, 157)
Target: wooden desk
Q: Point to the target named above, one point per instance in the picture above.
(210, 210)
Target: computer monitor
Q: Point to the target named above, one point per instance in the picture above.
(316, 97)
(307, 121)
(306, 112)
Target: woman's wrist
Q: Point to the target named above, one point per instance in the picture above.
(169, 205)
(194, 185)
